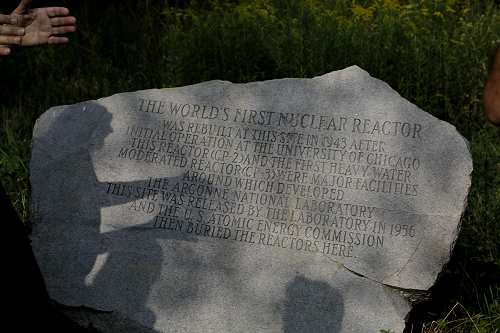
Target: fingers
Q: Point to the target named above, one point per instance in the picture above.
(57, 11)
(58, 21)
(10, 34)
(4, 50)
(58, 40)
(5, 19)
(61, 25)
(23, 6)
(11, 19)
(10, 40)
(17, 20)
(11, 30)
(63, 30)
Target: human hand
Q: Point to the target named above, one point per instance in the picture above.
(45, 25)
(10, 32)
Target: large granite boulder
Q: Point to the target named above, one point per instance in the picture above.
(292, 205)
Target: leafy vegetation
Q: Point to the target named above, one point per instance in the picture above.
(434, 53)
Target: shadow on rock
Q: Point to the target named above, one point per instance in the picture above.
(312, 306)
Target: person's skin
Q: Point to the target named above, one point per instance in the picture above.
(10, 32)
(491, 97)
(38, 26)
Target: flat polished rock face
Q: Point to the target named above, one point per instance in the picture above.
(292, 205)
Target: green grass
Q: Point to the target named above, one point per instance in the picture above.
(434, 53)
(458, 319)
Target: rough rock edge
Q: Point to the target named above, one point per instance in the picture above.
(111, 321)
(102, 321)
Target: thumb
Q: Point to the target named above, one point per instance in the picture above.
(23, 7)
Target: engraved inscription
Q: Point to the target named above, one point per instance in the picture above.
(268, 178)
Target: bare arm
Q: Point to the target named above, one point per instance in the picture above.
(491, 97)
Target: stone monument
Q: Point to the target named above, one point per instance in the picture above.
(290, 205)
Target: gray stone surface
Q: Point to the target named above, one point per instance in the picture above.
(288, 205)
